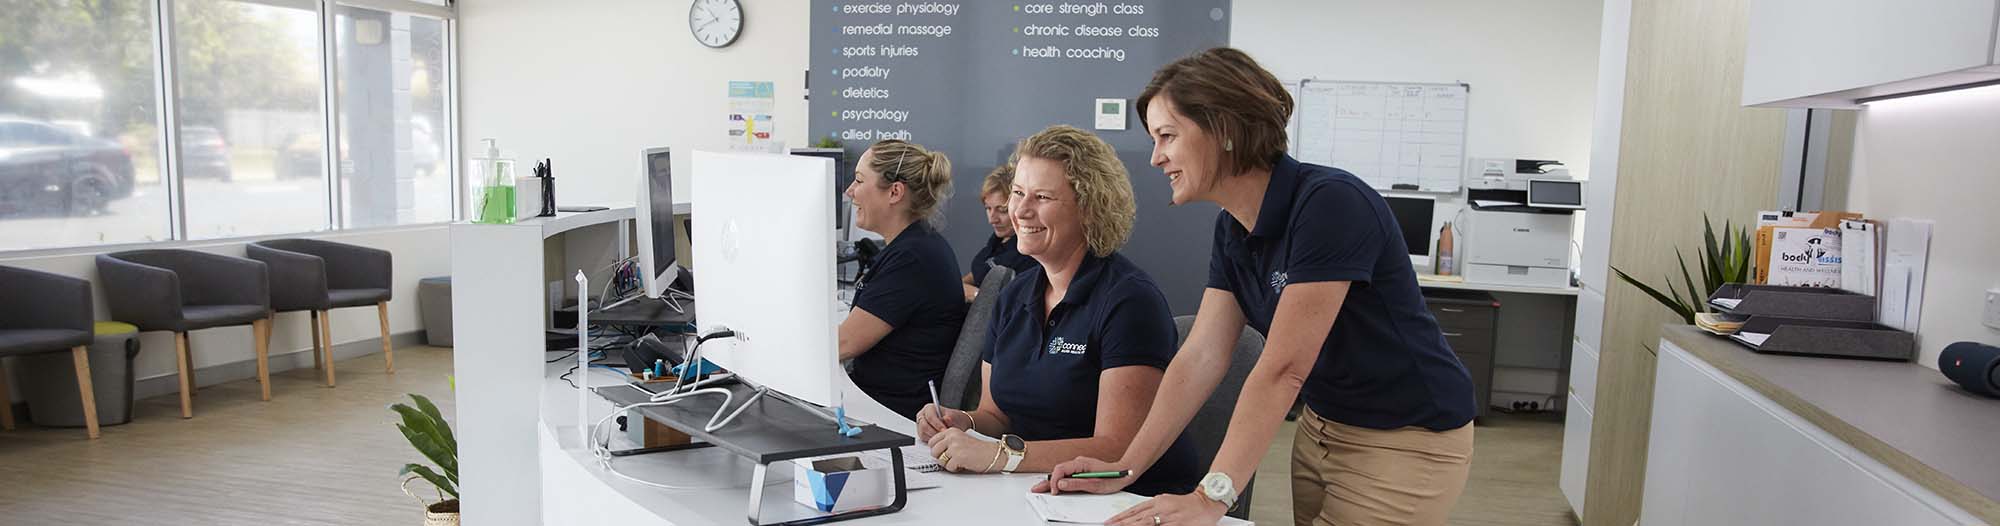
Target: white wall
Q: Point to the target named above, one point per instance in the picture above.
(1933, 157)
(590, 83)
(416, 254)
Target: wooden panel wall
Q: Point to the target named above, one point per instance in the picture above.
(1687, 147)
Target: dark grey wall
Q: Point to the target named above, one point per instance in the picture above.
(972, 95)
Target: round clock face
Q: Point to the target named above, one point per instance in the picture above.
(715, 23)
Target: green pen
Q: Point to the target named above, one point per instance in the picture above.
(1102, 474)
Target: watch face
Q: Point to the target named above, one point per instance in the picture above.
(1016, 443)
(715, 23)
(1215, 485)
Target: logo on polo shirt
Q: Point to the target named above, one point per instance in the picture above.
(1059, 346)
(1278, 280)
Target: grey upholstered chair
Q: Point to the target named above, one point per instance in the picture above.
(185, 290)
(960, 387)
(45, 313)
(318, 276)
(1211, 423)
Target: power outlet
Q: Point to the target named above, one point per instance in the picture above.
(1993, 307)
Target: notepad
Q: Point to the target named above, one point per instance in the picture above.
(1076, 508)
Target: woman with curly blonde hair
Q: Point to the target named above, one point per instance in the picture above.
(1077, 347)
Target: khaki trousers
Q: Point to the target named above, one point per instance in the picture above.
(1346, 475)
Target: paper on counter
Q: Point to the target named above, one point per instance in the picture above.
(1752, 338)
(1727, 303)
(1075, 508)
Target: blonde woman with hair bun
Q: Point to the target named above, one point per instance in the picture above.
(907, 306)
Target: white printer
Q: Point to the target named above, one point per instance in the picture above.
(1518, 229)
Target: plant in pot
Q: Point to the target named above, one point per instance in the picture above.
(430, 434)
(1721, 263)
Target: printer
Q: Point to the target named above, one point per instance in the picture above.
(1519, 225)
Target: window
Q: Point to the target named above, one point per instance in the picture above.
(248, 97)
(79, 137)
(81, 123)
(395, 167)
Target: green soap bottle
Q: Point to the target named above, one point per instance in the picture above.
(493, 203)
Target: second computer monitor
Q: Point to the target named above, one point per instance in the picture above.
(655, 219)
(1413, 215)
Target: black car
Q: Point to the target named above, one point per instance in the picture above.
(204, 153)
(48, 169)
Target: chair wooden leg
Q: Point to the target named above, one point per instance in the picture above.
(187, 385)
(261, 330)
(6, 402)
(326, 332)
(314, 323)
(82, 356)
(388, 354)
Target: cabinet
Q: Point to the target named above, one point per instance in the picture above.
(1468, 320)
(1839, 53)
(1721, 453)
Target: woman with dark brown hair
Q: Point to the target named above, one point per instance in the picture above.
(1311, 257)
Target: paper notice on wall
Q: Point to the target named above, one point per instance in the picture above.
(752, 127)
(1805, 257)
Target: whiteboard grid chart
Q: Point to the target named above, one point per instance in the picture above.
(1395, 136)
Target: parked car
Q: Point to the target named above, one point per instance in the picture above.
(204, 153)
(300, 154)
(45, 168)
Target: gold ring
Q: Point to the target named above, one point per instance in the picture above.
(944, 459)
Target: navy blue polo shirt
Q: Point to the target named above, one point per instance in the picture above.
(999, 253)
(1046, 370)
(914, 287)
(1385, 364)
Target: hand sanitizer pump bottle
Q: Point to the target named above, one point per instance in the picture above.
(494, 201)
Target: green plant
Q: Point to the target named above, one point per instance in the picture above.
(827, 142)
(427, 431)
(1727, 262)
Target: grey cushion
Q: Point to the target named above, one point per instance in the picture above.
(197, 317)
(960, 388)
(1211, 423)
(356, 297)
(30, 341)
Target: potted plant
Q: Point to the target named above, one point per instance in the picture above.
(1727, 262)
(430, 434)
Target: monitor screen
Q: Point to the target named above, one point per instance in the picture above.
(1564, 194)
(843, 175)
(659, 218)
(1413, 215)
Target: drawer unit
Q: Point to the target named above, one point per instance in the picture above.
(1468, 320)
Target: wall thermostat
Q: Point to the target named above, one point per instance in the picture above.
(1111, 114)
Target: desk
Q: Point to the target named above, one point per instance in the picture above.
(1531, 361)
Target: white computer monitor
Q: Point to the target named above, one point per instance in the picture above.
(1413, 215)
(654, 215)
(767, 269)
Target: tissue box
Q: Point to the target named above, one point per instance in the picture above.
(838, 485)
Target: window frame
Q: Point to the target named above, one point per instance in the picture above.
(168, 140)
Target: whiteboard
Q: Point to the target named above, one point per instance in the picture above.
(1394, 135)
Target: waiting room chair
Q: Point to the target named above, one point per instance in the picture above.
(318, 276)
(183, 291)
(960, 386)
(1211, 423)
(46, 313)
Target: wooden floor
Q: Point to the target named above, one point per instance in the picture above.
(1515, 462)
(314, 455)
